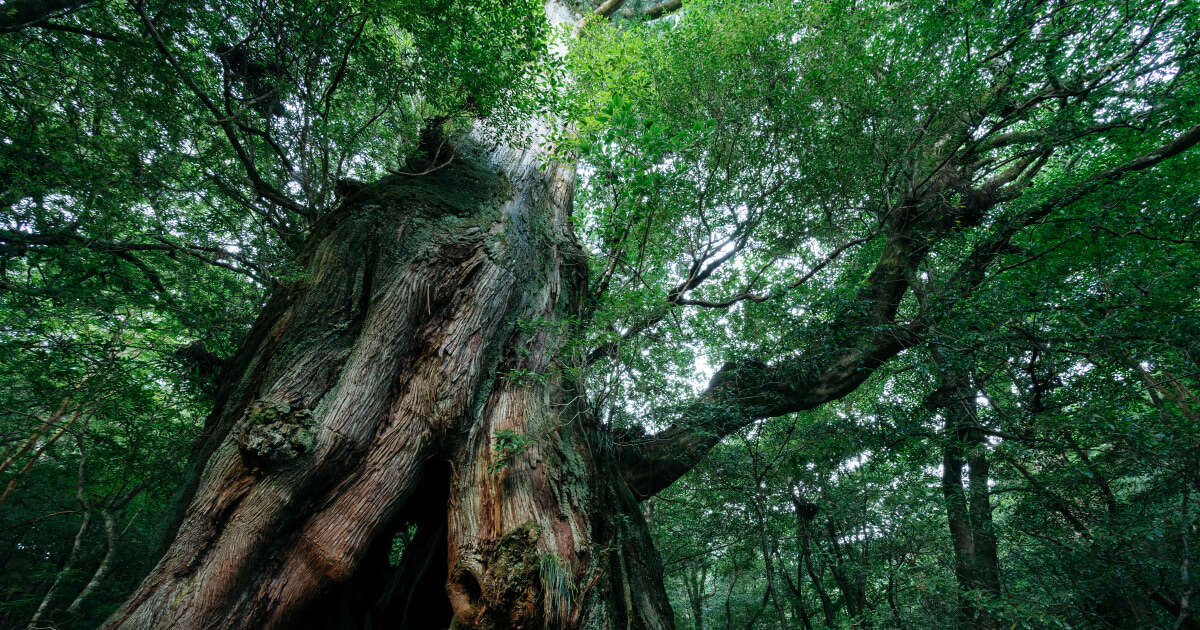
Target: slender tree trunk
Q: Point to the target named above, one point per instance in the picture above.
(737, 573)
(891, 597)
(848, 584)
(983, 532)
(768, 554)
(371, 396)
(66, 569)
(805, 513)
(799, 610)
(969, 510)
(796, 586)
(106, 563)
(696, 582)
(958, 519)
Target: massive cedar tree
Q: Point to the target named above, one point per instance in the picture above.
(420, 371)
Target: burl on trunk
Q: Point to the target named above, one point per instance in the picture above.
(415, 378)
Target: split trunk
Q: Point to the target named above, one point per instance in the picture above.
(401, 441)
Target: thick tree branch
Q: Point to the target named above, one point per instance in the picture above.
(864, 336)
(608, 8)
(663, 8)
(862, 340)
(19, 14)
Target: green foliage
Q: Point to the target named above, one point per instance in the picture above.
(557, 584)
(400, 542)
(522, 377)
(757, 147)
(744, 167)
(163, 164)
(478, 57)
(506, 446)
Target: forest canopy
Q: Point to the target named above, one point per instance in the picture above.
(846, 313)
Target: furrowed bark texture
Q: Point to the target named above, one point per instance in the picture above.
(433, 315)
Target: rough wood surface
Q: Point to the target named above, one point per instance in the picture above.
(434, 313)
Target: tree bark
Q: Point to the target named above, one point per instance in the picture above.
(805, 513)
(848, 583)
(433, 317)
(431, 322)
(969, 511)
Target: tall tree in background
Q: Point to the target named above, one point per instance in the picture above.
(969, 509)
(448, 352)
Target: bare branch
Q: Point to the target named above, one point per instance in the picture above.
(341, 71)
(663, 8)
(608, 8)
(52, 26)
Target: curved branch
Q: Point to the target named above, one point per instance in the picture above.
(865, 336)
(663, 8)
(19, 14)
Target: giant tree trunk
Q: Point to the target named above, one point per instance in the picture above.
(418, 375)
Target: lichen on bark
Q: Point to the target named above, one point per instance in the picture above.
(272, 434)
